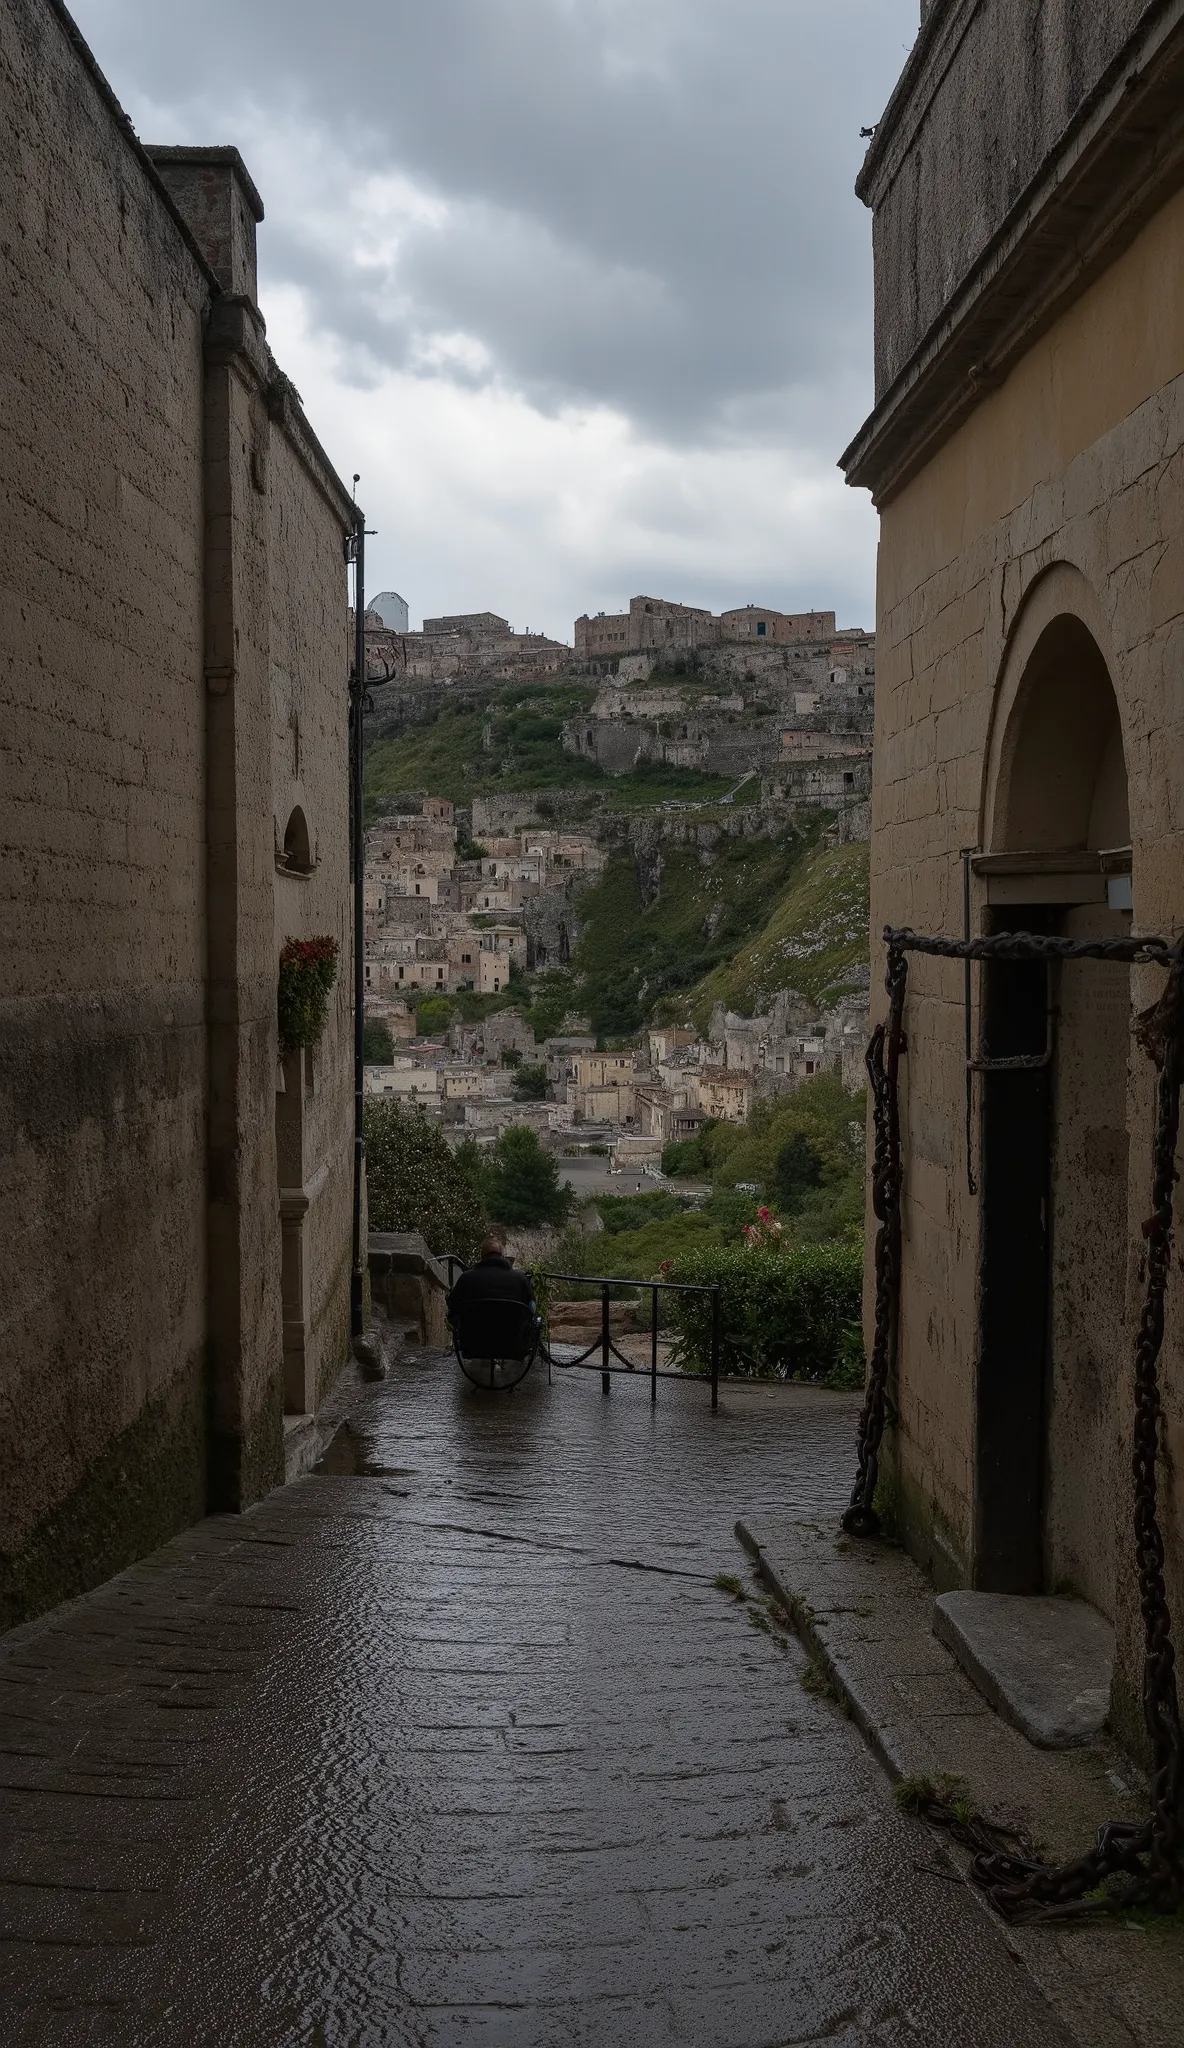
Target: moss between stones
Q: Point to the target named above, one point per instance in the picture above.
(147, 1485)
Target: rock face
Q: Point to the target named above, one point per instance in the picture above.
(736, 710)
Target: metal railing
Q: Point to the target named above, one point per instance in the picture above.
(603, 1344)
(608, 1350)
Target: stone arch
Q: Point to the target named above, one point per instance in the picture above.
(297, 843)
(1053, 1137)
(1055, 777)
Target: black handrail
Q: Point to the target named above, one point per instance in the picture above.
(608, 1350)
(604, 1343)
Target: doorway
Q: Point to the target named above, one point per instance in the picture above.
(1053, 1242)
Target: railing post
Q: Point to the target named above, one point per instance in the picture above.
(715, 1349)
(654, 1346)
(605, 1381)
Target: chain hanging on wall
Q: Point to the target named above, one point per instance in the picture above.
(1148, 1856)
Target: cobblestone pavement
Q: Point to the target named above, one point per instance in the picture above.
(459, 1743)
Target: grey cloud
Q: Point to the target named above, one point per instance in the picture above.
(648, 202)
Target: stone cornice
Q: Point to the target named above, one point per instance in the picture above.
(236, 336)
(1121, 158)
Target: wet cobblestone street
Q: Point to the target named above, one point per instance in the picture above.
(458, 1742)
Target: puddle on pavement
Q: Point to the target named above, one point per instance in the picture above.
(347, 1456)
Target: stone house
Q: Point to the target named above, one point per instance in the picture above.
(724, 1095)
(175, 1200)
(1026, 453)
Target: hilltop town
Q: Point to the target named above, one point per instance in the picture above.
(757, 724)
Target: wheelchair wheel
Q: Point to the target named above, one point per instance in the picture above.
(494, 1375)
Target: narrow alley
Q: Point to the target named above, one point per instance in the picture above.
(457, 1740)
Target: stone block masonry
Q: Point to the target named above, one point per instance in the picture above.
(172, 681)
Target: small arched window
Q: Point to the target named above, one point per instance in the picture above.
(297, 848)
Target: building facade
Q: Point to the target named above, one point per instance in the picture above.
(1026, 453)
(656, 626)
(175, 1199)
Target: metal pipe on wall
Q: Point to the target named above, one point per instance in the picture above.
(358, 862)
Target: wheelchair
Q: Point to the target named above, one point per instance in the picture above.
(496, 1342)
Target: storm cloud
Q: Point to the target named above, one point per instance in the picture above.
(580, 286)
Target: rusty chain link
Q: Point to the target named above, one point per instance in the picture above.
(883, 1068)
(1147, 1857)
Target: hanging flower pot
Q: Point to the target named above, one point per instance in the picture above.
(308, 970)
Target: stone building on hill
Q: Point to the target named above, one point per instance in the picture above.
(175, 1199)
(1026, 453)
(463, 647)
(655, 625)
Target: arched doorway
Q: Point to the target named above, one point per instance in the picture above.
(1053, 1135)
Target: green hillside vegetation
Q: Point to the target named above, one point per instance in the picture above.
(514, 741)
(630, 957)
(804, 1152)
(511, 742)
(810, 940)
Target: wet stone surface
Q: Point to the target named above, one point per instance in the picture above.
(456, 1741)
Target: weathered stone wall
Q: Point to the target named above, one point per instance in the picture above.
(102, 1044)
(963, 138)
(1062, 497)
(140, 1324)
(310, 661)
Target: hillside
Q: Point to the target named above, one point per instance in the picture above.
(813, 936)
(635, 954)
(698, 904)
(509, 742)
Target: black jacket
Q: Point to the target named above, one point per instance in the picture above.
(494, 1279)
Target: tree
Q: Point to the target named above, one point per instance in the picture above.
(414, 1183)
(530, 1084)
(378, 1047)
(798, 1172)
(432, 1016)
(522, 1181)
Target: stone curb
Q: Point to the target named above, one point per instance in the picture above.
(864, 1612)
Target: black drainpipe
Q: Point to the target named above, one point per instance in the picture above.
(357, 694)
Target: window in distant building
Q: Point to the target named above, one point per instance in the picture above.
(848, 780)
(760, 629)
(417, 888)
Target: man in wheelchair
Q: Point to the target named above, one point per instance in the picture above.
(495, 1324)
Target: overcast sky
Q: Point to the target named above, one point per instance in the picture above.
(581, 287)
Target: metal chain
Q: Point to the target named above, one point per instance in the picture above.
(1148, 1855)
(883, 1062)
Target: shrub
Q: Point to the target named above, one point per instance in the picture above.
(521, 1181)
(415, 1183)
(378, 1047)
(530, 1084)
(308, 970)
(433, 1016)
(783, 1314)
(798, 1172)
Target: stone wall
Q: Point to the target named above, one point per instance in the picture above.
(310, 661)
(102, 1041)
(141, 1364)
(1060, 499)
(964, 138)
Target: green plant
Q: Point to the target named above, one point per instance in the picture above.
(414, 1183)
(798, 1172)
(530, 1084)
(783, 1314)
(521, 1181)
(433, 1016)
(378, 1047)
(307, 972)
